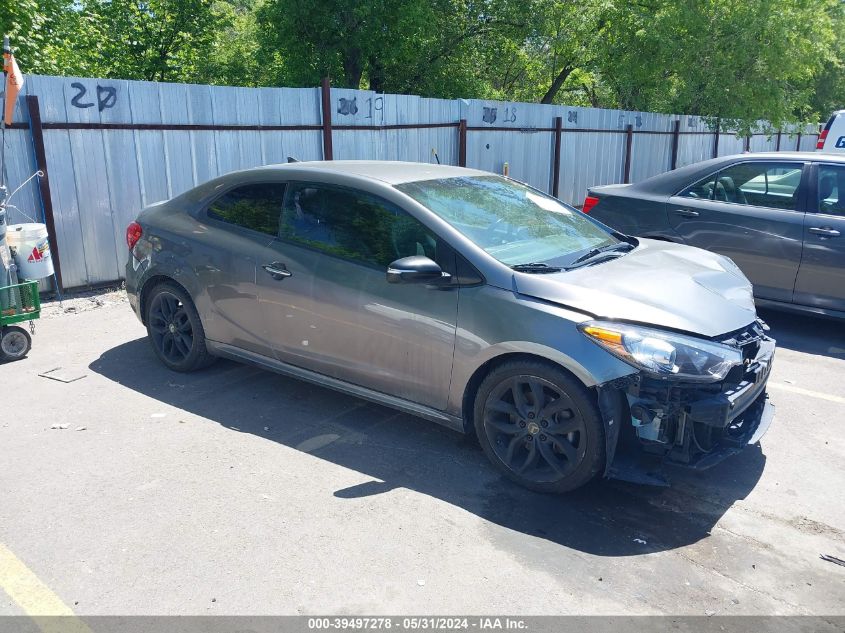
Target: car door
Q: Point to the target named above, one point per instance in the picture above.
(239, 225)
(753, 212)
(821, 276)
(394, 338)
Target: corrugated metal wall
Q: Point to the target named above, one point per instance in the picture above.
(101, 178)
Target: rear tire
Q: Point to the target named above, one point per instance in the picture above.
(540, 426)
(15, 343)
(175, 330)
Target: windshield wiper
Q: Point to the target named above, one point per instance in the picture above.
(534, 267)
(619, 247)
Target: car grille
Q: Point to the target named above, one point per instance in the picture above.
(748, 339)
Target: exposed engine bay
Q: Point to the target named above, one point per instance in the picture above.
(690, 424)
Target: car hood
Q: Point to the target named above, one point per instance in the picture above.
(658, 283)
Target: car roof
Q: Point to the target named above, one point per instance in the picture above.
(391, 172)
(671, 181)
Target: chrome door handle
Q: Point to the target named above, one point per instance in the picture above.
(277, 270)
(824, 231)
(687, 213)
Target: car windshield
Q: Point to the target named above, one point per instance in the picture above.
(513, 223)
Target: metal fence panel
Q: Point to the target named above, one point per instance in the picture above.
(26, 202)
(101, 177)
(695, 142)
(373, 113)
(526, 146)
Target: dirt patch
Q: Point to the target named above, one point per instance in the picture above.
(809, 526)
(83, 301)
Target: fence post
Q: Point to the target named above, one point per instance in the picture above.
(798, 144)
(716, 138)
(37, 134)
(326, 101)
(777, 144)
(462, 143)
(556, 161)
(629, 139)
(676, 137)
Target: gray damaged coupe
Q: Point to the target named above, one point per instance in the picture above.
(569, 349)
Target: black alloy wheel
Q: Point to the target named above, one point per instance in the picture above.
(540, 426)
(175, 330)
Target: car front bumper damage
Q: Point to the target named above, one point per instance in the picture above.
(689, 425)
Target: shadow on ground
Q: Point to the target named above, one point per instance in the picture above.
(807, 333)
(398, 450)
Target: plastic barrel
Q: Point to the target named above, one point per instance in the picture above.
(32, 250)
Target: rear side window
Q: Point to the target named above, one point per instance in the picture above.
(353, 225)
(773, 185)
(256, 207)
(831, 189)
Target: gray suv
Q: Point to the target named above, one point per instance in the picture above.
(569, 349)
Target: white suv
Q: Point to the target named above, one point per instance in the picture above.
(832, 137)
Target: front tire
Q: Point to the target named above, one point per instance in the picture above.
(175, 330)
(540, 426)
(15, 343)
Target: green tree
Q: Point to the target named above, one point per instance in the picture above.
(563, 46)
(233, 58)
(740, 61)
(829, 86)
(154, 40)
(46, 35)
(431, 47)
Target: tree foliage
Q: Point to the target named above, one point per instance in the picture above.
(779, 60)
(734, 60)
(434, 47)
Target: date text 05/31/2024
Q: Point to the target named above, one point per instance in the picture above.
(480, 623)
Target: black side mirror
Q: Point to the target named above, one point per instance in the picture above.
(416, 270)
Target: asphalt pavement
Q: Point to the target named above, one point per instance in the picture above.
(135, 490)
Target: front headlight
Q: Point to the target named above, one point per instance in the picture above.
(664, 354)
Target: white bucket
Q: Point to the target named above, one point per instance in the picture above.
(32, 250)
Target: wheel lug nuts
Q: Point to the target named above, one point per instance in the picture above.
(530, 416)
(543, 438)
(522, 425)
(544, 424)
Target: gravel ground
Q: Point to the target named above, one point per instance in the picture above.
(83, 301)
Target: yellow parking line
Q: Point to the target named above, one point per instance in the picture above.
(807, 392)
(35, 598)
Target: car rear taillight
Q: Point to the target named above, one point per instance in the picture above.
(822, 137)
(589, 203)
(133, 234)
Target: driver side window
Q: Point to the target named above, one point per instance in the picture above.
(353, 225)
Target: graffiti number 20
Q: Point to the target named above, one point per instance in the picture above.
(106, 97)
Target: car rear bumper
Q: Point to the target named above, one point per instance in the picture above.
(132, 278)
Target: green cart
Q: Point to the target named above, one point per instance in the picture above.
(18, 303)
